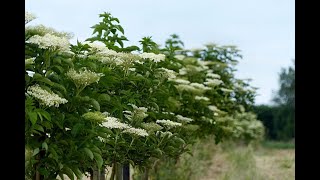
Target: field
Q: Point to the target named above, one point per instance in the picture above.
(262, 163)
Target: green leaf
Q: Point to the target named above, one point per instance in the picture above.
(77, 172)
(38, 127)
(33, 117)
(89, 153)
(98, 159)
(75, 129)
(95, 104)
(68, 172)
(45, 146)
(39, 78)
(104, 97)
(104, 135)
(36, 151)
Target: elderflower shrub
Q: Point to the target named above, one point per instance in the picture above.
(153, 57)
(124, 116)
(49, 41)
(168, 123)
(84, 77)
(45, 97)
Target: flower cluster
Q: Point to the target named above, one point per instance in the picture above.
(180, 81)
(136, 131)
(94, 116)
(84, 77)
(46, 98)
(201, 98)
(138, 113)
(29, 61)
(50, 41)
(213, 82)
(184, 119)
(168, 73)
(151, 126)
(168, 123)
(212, 75)
(226, 90)
(28, 17)
(154, 57)
(113, 123)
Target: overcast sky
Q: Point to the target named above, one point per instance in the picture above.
(264, 30)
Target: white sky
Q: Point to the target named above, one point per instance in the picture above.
(263, 30)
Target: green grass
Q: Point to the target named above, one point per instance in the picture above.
(278, 145)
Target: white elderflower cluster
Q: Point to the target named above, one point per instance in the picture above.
(214, 76)
(136, 131)
(185, 87)
(151, 126)
(183, 71)
(201, 98)
(50, 41)
(154, 57)
(28, 17)
(180, 81)
(138, 113)
(84, 77)
(213, 108)
(171, 113)
(46, 98)
(113, 123)
(168, 123)
(29, 61)
(184, 119)
(226, 90)
(213, 82)
(168, 73)
(42, 30)
(179, 56)
(200, 86)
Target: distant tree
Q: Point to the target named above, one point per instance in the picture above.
(285, 101)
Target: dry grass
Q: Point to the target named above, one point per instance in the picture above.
(247, 163)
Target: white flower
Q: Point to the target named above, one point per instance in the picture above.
(50, 41)
(113, 123)
(200, 86)
(168, 123)
(185, 87)
(179, 56)
(168, 73)
(154, 57)
(201, 98)
(184, 119)
(180, 81)
(84, 77)
(226, 90)
(213, 82)
(30, 73)
(213, 108)
(29, 61)
(136, 131)
(138, 113)
(46, 98)
(28, 17)
(215, 76)
(183, 71)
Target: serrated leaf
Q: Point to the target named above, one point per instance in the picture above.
(75, 129)
(89, 153)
